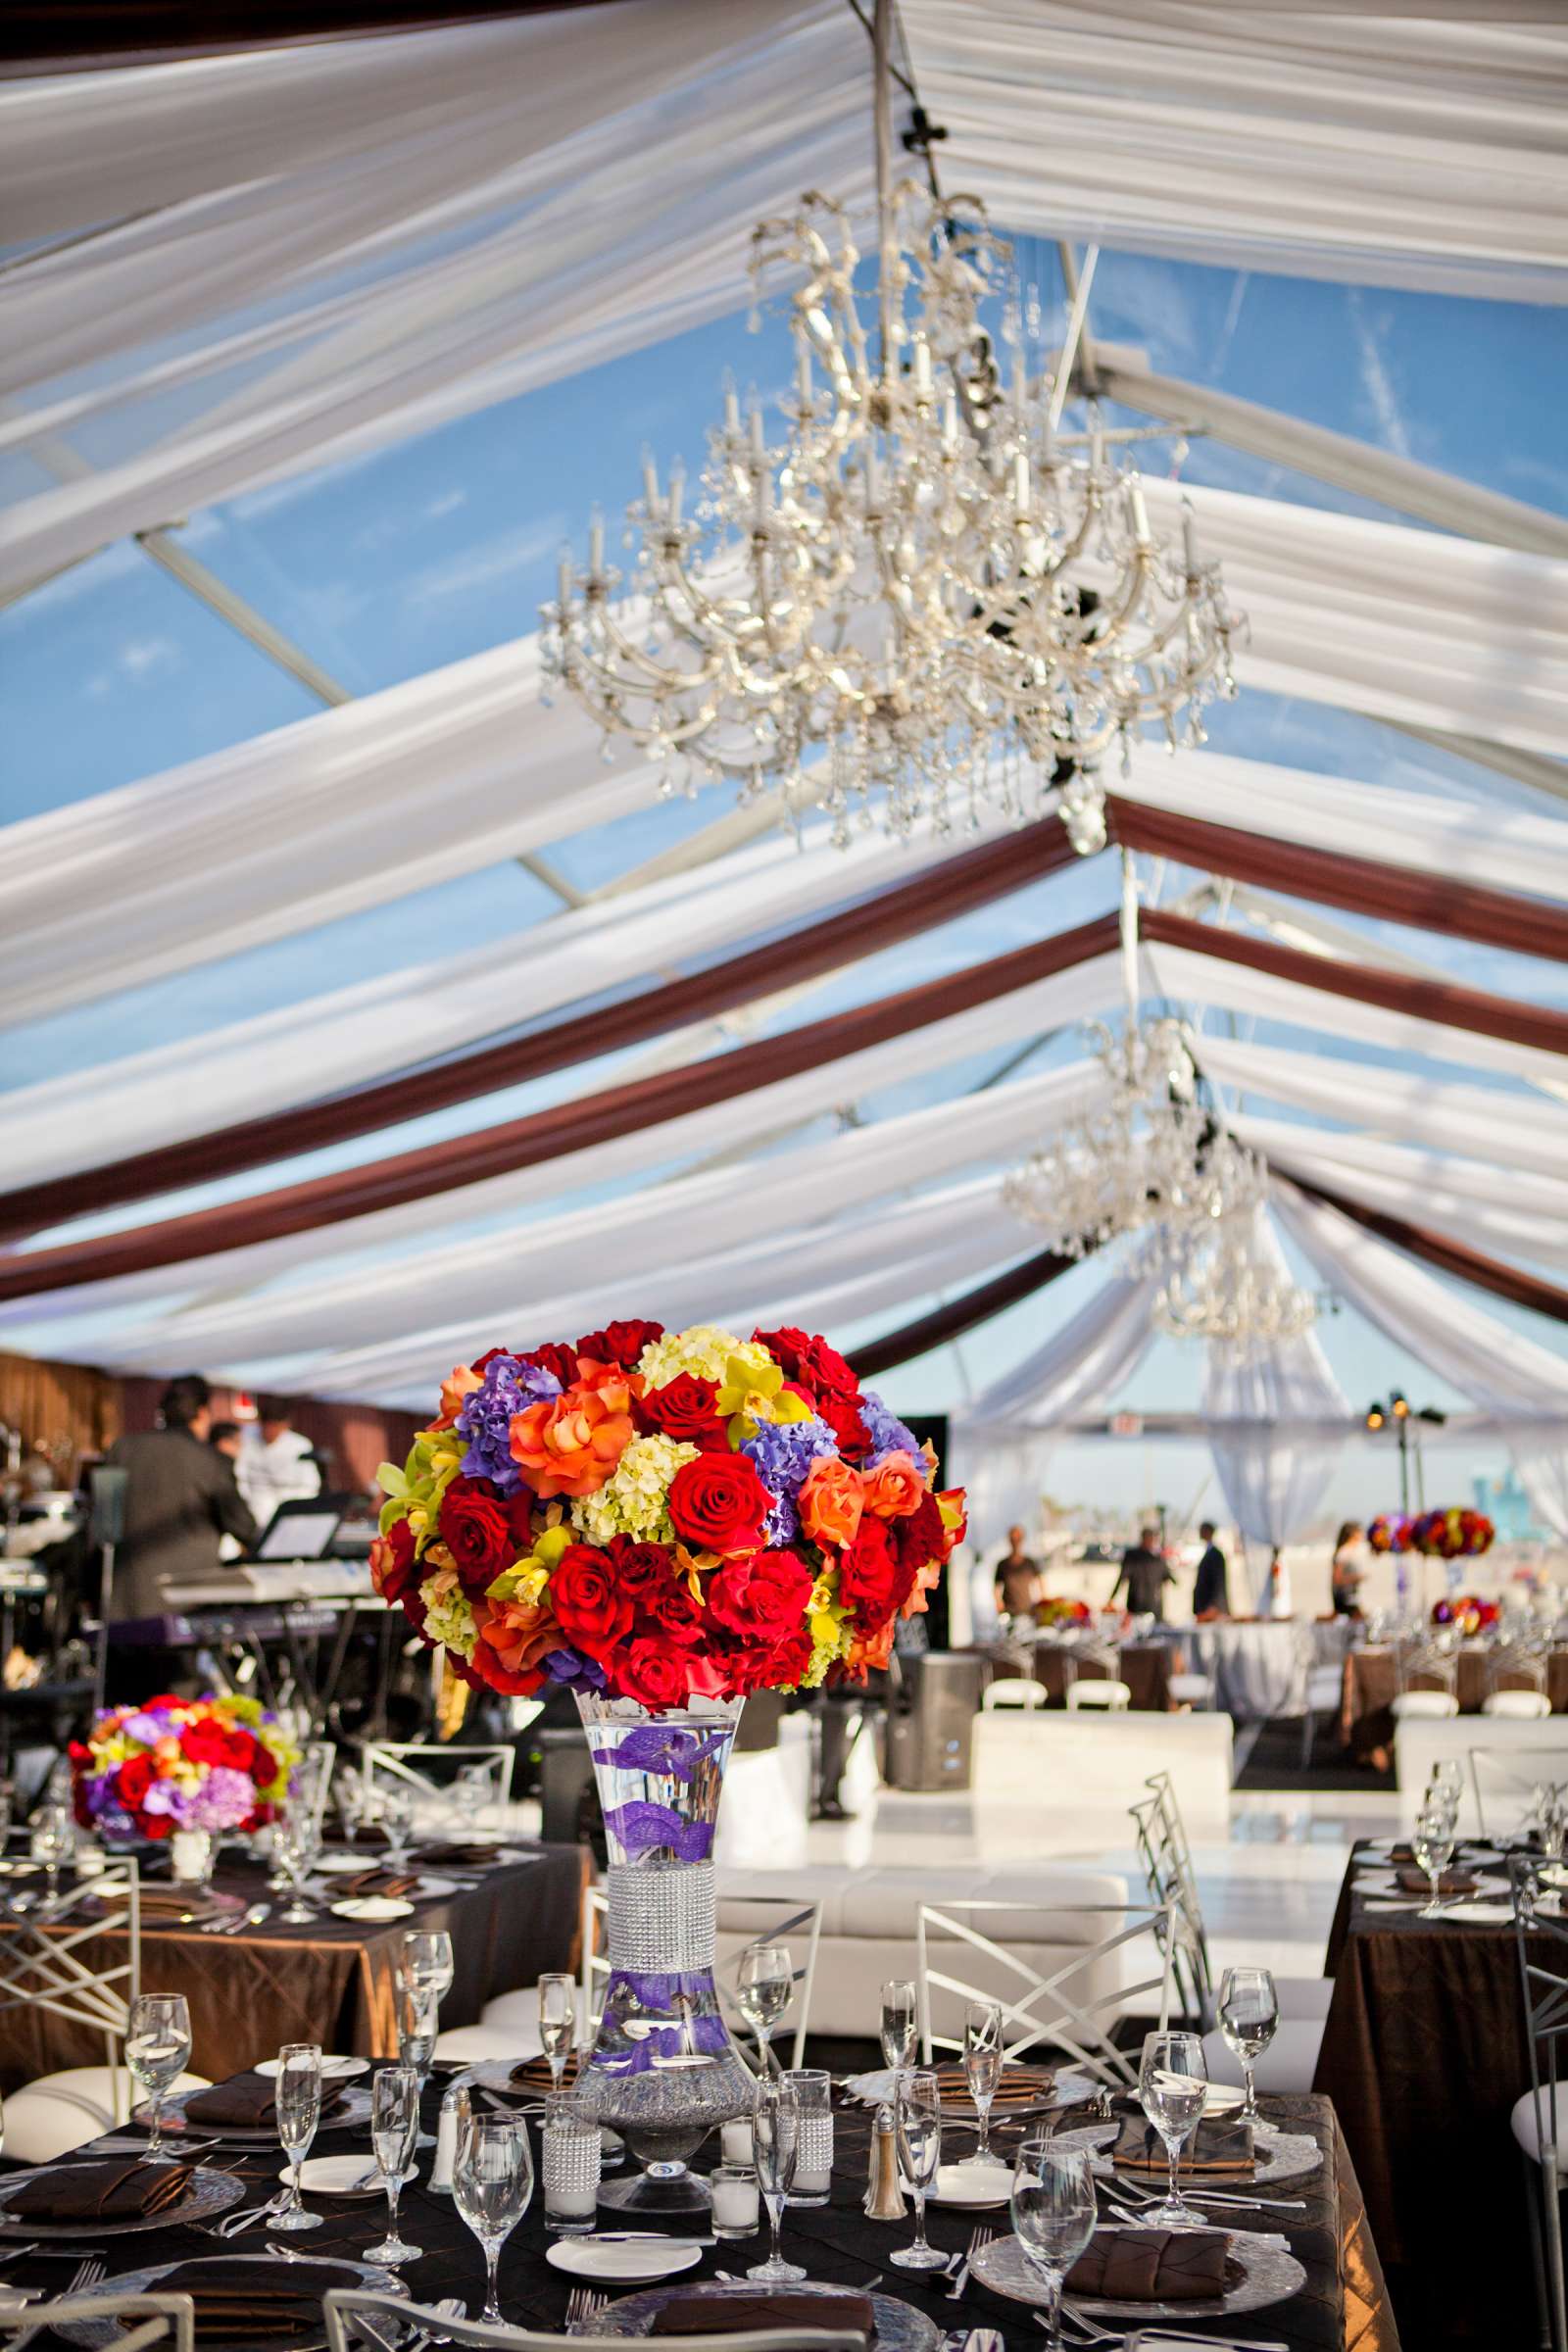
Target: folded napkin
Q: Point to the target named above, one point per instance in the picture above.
(1452, 1882)
(120, 2188)
(845, 2313)
(1020, 2090)
(1220, 2144)
(380, 1882)
(473, 1854)
(253, 2298)
(534, 2075)
(249, 2103)
(1152, 2266)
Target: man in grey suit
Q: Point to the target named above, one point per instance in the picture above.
(180, 1500)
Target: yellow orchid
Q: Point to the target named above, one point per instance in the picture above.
(528, 1577)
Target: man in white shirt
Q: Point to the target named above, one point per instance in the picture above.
(274, 1463)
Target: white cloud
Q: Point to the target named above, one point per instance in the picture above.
(139, 662)
(483, 565)
(1376, 381)
(448, 503)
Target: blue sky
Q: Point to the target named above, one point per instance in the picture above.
(437, 547)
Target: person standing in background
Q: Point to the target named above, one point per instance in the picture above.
(1145, 1574)
(1349, 1572)
(1211, 1595)
(180, 1500)
(1018, 1580)
(276, 1462)
(1278, 1599)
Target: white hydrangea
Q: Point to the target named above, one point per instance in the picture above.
(635, 1500)
(448, 1616)
(704, 1351)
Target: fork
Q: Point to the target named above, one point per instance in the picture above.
(979, 2239)
(583, 2308)
(451, 2307)
(90, 2272)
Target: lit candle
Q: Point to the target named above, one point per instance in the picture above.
(735, 2141)
(737, 2210)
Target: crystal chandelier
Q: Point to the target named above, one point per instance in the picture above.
(922, 600)
(1225, 1289)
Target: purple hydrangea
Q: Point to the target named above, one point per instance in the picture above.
(886, 1433)
(148, 1729)
(224, 1800)
(510, 1385)
(782, 1452)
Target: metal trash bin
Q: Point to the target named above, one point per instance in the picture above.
(930, 1724)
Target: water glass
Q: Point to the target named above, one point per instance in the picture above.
(776, 2143)
(1432, 1844)
(297, 2091)
(394, 2130)
(492, 2182)
(919, 2115)
(1052, 2217)
(569, 2162)
(557, 2023)
(813, 2162)
(1173, 2084)
(982, 2067)
(428, 1962)
(898, 2023)
(1249, 2014)
(158, 2051)
(766, 1986)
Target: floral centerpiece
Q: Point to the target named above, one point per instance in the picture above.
(1469, 1613)
(1062, 1612)
(1451, 1534)
(181, 1764)
(662, 1522)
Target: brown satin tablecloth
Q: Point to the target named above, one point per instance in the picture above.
(1145, 1668)
(333, 1981)
(1424, 2056)
(1367, 1706)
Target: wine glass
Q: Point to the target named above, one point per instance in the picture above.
(1248, 2013)
(428, 1962)
(158, 2051)
(898, 2023)
(298, 2092)
(766, 1984)
(492, 2182)
(1173, 2084)
(775, 2151)
(394, 2128)
(397, 1819)
(918, 2114)
(294, 1845)
(558, 2023)
(982, 2067)
(53, 1841)
(1433, 1847)
(1052, 2217)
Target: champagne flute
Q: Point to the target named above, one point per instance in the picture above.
(492, 2182)
(1173, 2084)
(417, 2026)
(918, 2114)
(1433, 1849)
(428, 1962)
(294, 1850)
(394, 2128)
(297, 2091)
(397, 1819)
(558, 2023)
(982, 2067)
(1052, 2217)
(775, 2152)
(898, 2023)
(158, 2052)
(766, 1984)
(1249, 2014)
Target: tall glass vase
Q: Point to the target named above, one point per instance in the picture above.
(662, 2071)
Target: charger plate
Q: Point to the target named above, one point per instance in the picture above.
(367, 2276)
(209, 2194)
(1269, 2272)
(900, 2328)
(1278, 2155)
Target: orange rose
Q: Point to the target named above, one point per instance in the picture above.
(521, 1636)
(570, 1445)
(832, 1498)
(461, 1382)
(895, 1487)
(870, 1650)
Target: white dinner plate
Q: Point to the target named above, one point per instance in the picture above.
(343, 2176)
(344, 1865)
(1220, 2099)
(629, 2257)
(373, 1907)
(20, 1870)
(333, 2069)
(1481, 1915)
(977, 2185)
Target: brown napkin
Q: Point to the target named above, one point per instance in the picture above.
(249, 2103)
(1452, 1882)
(471, 1855)
(724, 2314)
(534, 2075)
(1152, 2266)
(251, 2298)
(382, 1881)
(1220, 2144)
(119, 2190)
(1021, 2090)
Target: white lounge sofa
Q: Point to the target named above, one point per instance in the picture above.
(1099, 1765)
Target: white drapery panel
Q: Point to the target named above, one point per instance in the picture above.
(1355, 143)
(374, 1296)
(1445, 1330)
(1522, 1133)
(1273, 1478)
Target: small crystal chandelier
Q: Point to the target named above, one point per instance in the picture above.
(1226, 1289)
(923, 601)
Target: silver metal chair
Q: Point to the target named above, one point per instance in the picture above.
(362, 2322)
(1509, 1783)
(732, 1951)
(165, 2320)
(456, 1791)
(1103, 1685)
(1013, 1690)
(1428, 1674)
(1516, 1683)
(1539, 2117)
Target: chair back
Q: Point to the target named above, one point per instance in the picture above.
(1427, 1666)
(1071, 2009)
(1013, 1690)
(318, 1764)
(594, 1943)
(1110, 1698)
(1516, 1666)
(358, 2321)
(1090, 1658)
(165, 2320)
(456, 1791)
(76, 1958)
(1541, 1938)
(805, 1921)
(1172, 1885)
(1509, 1783)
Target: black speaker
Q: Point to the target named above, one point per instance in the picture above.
(107, 1524)
(930, 1732)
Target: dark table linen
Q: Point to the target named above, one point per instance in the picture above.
(1146, 1667)
(1371, 1682)
(333, 1981)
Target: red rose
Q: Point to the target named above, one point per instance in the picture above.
(843, 1417)
(156, 1825)
(132, 1781)
(807, 1357)
(263, 1765)
(745, 1666)
(920, 1536)
(477, 1531)
(643, 1570)
(676, 1616)
(685, 1409)
(719, 1503)
(554, 1356)
(873, 1580)
(763, 1598)
(205, 1743)
(519, 1507)
(592, 1610)
(651, 1672)
(394, 1570)
(481, 1362)
(621, 1343)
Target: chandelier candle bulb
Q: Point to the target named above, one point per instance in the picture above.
(1138, 512)
(596, 546)
(677, 490)
(732, 406)
(922, 369)
(1190, 540)
(1021, 483)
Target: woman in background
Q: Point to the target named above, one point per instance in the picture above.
(1347, 1576)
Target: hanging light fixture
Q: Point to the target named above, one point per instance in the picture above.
(1226, 1286)
(922, 600)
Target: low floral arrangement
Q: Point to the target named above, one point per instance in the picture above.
(1468, 1612)
(1062, 1612)
(1451, 1534)
(181, 1764)
(663, 1515)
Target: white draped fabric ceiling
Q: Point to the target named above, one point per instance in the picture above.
(321, 250)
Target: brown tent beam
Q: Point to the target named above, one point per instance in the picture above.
(947, 1323)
